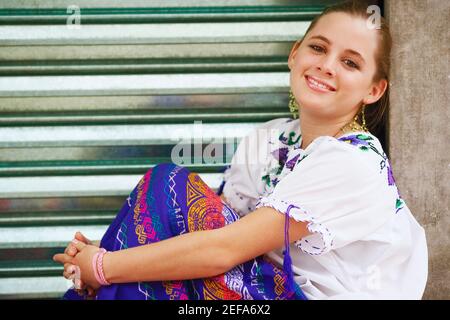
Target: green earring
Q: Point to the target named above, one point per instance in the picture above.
(293, 105)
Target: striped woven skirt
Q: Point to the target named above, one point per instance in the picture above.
(169, 200)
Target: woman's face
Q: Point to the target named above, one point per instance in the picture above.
(332, 69)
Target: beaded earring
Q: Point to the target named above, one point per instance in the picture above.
(355, 125)
(293, 105)
(363, 116)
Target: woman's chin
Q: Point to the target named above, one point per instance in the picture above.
(310, 97)
(313, 102)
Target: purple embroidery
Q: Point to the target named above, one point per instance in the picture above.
(275, 181)
(282, 138)
(280, 154)
(357, 139)
(391, 180)
(291, 163)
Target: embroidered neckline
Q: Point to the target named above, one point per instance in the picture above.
(289, 141)
(282, 156)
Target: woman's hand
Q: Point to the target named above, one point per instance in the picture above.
(71, 250)
(82, 261)
(72, 271)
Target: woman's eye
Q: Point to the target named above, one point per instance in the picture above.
(316, 48)
(351, 64)
(348, 62)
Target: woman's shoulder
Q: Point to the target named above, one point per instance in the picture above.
(362, 141)
(361, 147)
(367, 147)
(358, 155)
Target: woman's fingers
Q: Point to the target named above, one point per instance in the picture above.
(78, 244)
(72, 272)
(70, 268)
(62, 258)
(71, 250)
(79, 236)
(69, 271)
(68, 276)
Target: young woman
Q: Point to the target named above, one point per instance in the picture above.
(325, 194)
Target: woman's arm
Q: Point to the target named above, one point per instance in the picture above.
(203, 253)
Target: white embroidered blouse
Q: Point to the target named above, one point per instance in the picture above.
(365, 243)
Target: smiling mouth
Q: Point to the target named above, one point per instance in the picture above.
(317, 85)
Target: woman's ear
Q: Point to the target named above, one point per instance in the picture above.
(293, 53)
(376, 92)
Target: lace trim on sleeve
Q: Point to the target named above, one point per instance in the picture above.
(321, 239)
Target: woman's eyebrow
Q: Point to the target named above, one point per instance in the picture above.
(356, 53)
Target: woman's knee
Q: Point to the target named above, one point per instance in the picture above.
(171, 167)
(163, 172)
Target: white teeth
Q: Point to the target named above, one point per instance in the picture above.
(320, 85)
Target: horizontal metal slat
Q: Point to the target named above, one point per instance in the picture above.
(72, 186)
(144, 84)
(298, 11)
(36, 256)
(46, 236)
(85, 157)
(97, 167)
(143, 66)
(133, 157)
(44, 119)
(156, 3)
(110, 105)
(56, 218)
(117, 135)
(34, 287)
(141, 51)
(59, 207)
(154, 33)
(43, 268)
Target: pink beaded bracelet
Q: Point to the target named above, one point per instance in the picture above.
(97, 266)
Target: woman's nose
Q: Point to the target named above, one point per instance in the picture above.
(327, 66)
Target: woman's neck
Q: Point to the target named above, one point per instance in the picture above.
(311, 129)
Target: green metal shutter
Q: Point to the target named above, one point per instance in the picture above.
(85, 112)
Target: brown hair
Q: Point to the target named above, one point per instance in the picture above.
(375, 113)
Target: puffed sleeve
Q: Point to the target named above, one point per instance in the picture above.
(242, 180)
(334, 188)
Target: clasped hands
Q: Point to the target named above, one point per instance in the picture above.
(77, 261)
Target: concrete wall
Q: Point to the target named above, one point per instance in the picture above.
(419, 124)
